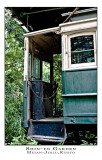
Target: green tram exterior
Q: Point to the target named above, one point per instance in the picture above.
(80, 96)
(77, 41)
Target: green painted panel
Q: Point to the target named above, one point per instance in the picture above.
(80, 120)
(80, 106)
(25, 122)
(80, 96)
(79, 81)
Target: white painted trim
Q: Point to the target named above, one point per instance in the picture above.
(69, 50)
(26, 60)
(78, 25)
(64, 52)
(62, 42)
(44, 31)
(77, 22)
(26, 54)
(79, 68)
(73, 29)
(81, 34)
(79, 94)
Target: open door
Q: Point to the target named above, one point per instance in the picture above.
(38, 104)
(41, 91)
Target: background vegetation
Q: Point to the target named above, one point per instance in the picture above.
(58, 78)
(14, 66)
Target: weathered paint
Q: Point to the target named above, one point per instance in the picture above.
(25, 101)
(54, 129)
(80, 96)
(80, 120)
(79, 81)
(78, 26)
(78, 106)
(41, 108)
(26, 55)
(83, 16)
(25, 87)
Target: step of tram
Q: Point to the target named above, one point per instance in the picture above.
(48, 129)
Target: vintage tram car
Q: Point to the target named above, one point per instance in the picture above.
(76, 40)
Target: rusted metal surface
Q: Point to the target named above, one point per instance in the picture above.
(47, 130)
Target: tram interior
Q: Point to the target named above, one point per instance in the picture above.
(43, 88)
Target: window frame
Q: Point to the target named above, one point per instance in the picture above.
(81, 65)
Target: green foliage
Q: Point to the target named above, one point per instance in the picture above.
(58, 78)
(61, 143)
(13, 31)
(12, 119)
(46, 72)
(23, 140)
(90, 139)
(84, 142)
(14, 65)
(89, 135)
(14, 60)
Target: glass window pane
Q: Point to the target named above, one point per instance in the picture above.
(82, 49)
(36, 68)
(46, 72)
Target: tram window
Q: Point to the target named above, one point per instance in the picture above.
(82, 49)
(36, 68)
(46, 71)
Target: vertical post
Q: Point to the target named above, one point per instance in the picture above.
(32, 66)
(65, 58)
(26, 54)
(51, 70)
(25, 87)
(51, 82)
(41, 68)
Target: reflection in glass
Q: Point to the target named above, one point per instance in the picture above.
(82, 49)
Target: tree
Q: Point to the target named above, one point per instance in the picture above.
(58, 78)
(14, 65)
(13, 77)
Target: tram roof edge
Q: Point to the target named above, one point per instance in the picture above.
(44, 31)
